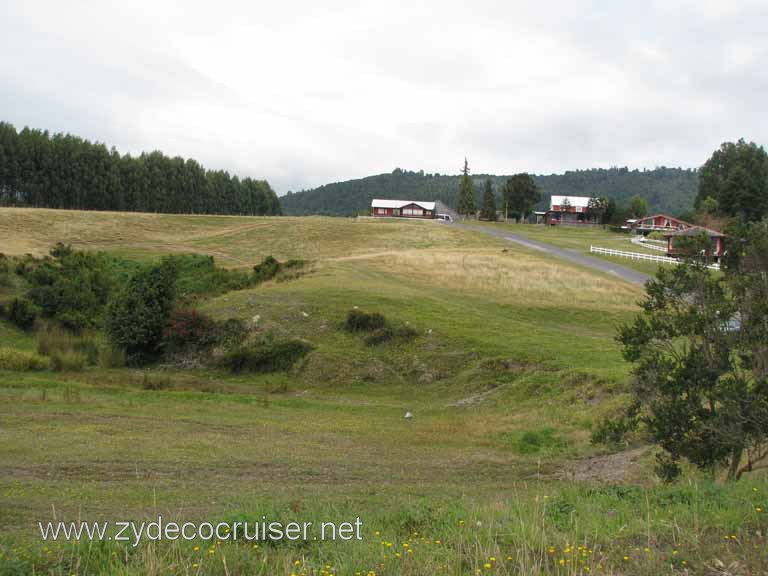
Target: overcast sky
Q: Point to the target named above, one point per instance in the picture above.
(307, 92)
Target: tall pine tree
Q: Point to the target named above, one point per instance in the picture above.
(488, 211)
(466, 203)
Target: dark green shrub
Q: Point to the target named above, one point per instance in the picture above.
(138, 315)
(359, 321)
(69, 286)
(5, 270)
(267, 270)
(22, 313)
(265, 357)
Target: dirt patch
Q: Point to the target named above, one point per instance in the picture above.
(606, 468)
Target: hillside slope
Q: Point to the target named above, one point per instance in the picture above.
(670, 190)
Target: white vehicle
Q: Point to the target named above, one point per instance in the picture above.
(444, 217)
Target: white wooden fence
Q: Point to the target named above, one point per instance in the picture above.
(633, 255)
(648, 243)
(640, 256)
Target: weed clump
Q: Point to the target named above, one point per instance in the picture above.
(266, 356)
(150, 382)
(68, 361)
(543, 440)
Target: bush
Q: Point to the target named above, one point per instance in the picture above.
(359, 321)
(138, 315)
(69, 286)
(68, 361)
(189, 330)
(267, 270)
(19, 361)
(5, 270)
(22, 313)
(231, 333)
(265, 357)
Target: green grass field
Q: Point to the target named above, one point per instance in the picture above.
(514, 362)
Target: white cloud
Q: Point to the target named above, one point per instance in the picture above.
(303, 93)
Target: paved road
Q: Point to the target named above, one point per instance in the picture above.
(626, 274)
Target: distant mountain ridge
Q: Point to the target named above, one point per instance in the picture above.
(668, 190)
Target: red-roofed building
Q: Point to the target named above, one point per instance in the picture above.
(656, 223)
(717, 240)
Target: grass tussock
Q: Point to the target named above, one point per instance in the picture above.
(68, 361)
(111, 357)
(542, 441)
(360, 321)
(19, 361)
(56, 342)
(155, 381)
(377, 328)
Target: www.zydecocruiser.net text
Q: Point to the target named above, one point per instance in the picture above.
(262, 530)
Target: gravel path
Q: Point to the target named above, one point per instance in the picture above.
(626, 274)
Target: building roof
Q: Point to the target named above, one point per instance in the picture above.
(654, 216)
(695, 231)
(379, 203)
(575, 201)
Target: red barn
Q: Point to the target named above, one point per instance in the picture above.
(717, 240)
(402, 209)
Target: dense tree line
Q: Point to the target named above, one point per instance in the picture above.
(64, 171)
(734, 182)
(669, 190)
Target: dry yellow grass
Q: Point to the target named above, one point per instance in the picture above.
(233, 240)
(514, 276)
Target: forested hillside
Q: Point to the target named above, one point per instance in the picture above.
(670, 190)
(63, 171)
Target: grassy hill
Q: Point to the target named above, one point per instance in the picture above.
(669, 190)
(513, 361)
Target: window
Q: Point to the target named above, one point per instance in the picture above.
(413, 212)
(381, 210)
